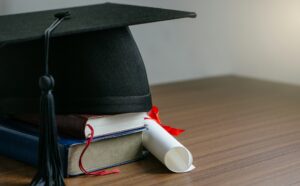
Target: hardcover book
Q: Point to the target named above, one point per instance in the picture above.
(20, 142)
(76, 125)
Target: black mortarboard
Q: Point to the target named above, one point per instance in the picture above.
(93, 58)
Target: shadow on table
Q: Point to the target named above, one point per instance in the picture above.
(152, 165)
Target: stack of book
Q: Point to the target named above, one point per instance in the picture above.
(117, 140)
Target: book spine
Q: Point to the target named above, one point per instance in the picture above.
(67, 125)
(24, 147)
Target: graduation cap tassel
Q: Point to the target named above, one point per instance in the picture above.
(50, 171)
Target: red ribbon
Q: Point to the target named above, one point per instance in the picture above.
(95, 173)
(154, 114)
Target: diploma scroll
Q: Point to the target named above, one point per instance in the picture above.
(166, 148)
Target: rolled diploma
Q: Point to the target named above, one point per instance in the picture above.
(166, 148)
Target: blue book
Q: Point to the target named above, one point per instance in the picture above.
(20, 142)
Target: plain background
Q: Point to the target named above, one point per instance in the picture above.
(255, 38)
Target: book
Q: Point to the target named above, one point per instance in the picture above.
(76, 125)
(20, 142)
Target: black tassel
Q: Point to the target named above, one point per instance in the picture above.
(50, 170)
(49, 165)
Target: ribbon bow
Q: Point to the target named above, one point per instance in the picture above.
(154, 115)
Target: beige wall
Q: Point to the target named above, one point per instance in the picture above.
(2, 6)
(267, 39)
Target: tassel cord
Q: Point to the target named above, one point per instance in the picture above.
(48, 32)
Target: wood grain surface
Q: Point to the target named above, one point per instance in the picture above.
(240, 131)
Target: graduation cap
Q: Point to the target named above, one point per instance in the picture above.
(89, 52)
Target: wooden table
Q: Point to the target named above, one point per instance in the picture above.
(240, 132)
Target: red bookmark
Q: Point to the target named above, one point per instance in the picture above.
(94, 173)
